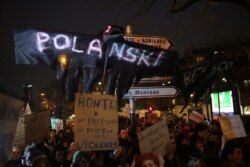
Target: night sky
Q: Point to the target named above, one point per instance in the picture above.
(203, 24)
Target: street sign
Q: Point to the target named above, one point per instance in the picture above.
(151, 92)
(156, 41)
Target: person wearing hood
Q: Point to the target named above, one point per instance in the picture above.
(33, 157)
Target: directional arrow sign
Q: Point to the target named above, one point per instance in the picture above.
(151, 92)
(156, 41)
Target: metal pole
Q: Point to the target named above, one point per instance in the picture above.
(133, 124)
(132, 113)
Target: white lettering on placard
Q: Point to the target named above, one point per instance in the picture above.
(41, 39)
(121, 51)
(95, 45)
(61, 42)
(74, 46)
(192, 75)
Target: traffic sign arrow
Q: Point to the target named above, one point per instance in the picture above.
(156, 41)
(151, 92)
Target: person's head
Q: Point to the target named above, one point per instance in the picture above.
(232, 152)
(59, 155)
(147, 160)
(16, 152)
(33, 157)
(81, 159)
(72, 148)
(123, 133)
(202, 130)
(198, 144)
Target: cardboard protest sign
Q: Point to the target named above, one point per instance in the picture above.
(196, 116)
(96, 121)
(10, 110)
(32, 128)
(232, 127)
(155, 138)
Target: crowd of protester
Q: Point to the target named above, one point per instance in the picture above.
(191, 145)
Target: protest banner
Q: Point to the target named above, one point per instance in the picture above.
(232, 127)
(196, 116)
(155, 138)
(32, 128)
(10, 110)
(96, 121)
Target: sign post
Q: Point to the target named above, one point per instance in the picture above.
(149, 92)
(156, 41)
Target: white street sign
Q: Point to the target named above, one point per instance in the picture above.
(156, 41)
(151, 92)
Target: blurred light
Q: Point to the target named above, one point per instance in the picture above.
(191, 95)
(163, 84)
(29, 86)
(99, 83)
(224, 79)
(63, 59)
(42, 94)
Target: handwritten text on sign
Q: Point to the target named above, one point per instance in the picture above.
(232, 127)
(96, 123)
(155, 138)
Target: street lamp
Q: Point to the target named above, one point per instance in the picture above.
(62, 70)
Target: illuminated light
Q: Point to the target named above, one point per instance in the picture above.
(99, 83)
(224, 79)
(128, 30)
(42, 94)
(169, 82)
(63, 59)
(29, 86)
(191, 95)
(163, 84)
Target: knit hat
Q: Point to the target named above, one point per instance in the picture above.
(146, 156)
(31, 155)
